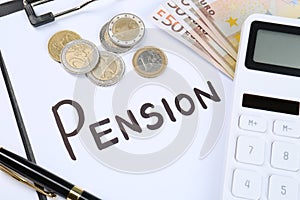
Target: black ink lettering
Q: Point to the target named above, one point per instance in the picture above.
(61, 128)
(160, 119)
(214, 96)
(133, 125)
(190, 100)
(97, 136)
(168, 109)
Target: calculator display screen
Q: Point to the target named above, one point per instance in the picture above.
(277, 48)
(274, 48)
(270, 104)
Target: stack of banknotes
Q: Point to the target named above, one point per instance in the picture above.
(212, 28)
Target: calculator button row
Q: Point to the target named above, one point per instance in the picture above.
(285, 156)
(280, 127)
(253, 123)
(248, 185)
(250, 150)
(287, 128)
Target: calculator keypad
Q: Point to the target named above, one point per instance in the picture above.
(266, 153)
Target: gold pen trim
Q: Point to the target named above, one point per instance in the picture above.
(75, 193)
(24, 181)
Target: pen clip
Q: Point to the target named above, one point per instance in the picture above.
(24, 181)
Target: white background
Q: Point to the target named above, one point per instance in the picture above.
(38, 80)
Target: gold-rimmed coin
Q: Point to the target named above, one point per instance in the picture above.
(149, 61)
(80, 56)
(126, 29)
(109, 70)
(57, 42)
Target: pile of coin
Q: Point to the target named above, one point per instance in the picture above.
(122, 33)
(57, 42)
(105, 68)
(80, 56)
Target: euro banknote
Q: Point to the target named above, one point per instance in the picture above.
(167, 22)
(202, 36)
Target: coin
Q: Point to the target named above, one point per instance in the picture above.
(149, 61)
(126, 29)
(80, 56)
(109, 70)
(57, 42)
(107, 43)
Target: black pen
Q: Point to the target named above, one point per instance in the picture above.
(14, 164)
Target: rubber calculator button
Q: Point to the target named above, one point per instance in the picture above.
(287, 128)
(250, 150)
(253, 123)
(246, 184)
(283, 188)
(285, 156)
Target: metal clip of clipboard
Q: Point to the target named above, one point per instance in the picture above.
(28, 5)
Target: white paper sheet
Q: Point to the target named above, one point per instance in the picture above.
(40, 83)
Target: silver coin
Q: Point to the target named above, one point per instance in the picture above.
(149, 61)
(109, 70)
(108, 44)
(126, 29)
(80, 56)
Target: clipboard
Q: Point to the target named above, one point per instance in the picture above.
(40, 83)
(13, 141)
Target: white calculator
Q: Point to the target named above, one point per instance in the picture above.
(263, 158)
